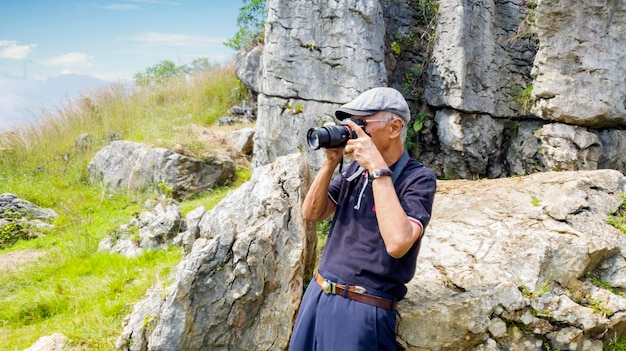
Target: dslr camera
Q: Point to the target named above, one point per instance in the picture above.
(331, 137)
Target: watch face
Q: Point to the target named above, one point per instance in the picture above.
(381, 172)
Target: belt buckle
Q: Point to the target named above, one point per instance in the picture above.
(360, 289)
(328, 287)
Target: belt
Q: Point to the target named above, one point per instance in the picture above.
(356, 293)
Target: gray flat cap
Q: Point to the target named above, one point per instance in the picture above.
(375, 100)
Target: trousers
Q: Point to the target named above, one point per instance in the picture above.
(329, 322)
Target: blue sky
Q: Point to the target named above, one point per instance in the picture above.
(111, 40)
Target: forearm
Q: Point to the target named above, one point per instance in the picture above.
(317, 206)
(398, 233)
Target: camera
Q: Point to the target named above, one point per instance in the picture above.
(332, 136)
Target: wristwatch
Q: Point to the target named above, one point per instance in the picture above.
(377, 173)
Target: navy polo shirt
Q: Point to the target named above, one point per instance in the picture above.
(355, 251)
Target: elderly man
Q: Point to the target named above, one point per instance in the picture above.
(381, 204)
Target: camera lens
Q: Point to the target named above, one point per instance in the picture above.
(327, 137)
(314, 135)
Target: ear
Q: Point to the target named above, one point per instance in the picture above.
(395, 128)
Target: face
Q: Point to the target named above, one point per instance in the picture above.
(376, 127)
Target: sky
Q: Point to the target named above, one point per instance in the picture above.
(111, 40)
(51, 49)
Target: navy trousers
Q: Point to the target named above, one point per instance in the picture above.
(332, 322)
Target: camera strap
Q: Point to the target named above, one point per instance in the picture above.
(397, 168)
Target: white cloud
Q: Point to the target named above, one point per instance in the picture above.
(69, 59)
(127, 6)
(116, 7)
(159, 2)
(155, 39)
(11, 49)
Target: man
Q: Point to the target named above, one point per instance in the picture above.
(381, 205)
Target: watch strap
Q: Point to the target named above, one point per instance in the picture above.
(377, 173)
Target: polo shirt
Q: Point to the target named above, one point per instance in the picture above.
(355, 251)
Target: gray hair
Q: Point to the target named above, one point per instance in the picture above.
(393, 116)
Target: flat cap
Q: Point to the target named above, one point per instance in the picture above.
(375, 100)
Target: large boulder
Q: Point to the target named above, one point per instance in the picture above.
(126, 164)
(507, 264)
(22, 220)
(11, 207)
(240, 286)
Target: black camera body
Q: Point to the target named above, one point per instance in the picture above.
(332, 137)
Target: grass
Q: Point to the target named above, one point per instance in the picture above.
(73, 289)
(618, 219)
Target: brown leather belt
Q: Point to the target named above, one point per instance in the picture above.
(356, 293)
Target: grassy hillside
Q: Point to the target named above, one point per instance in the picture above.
(72, 289)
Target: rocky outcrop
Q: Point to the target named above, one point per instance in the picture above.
(580, 68)
(510, 264)
(21, 219)
(125, 164)
(494, 68)
(153, 229)
(525, 263)
(12, 206)
(240, 286)
(243, 140)
(477, 64)
(54, 342)
(304, 41)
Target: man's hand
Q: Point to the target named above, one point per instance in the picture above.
(363, 149)
(333, 155)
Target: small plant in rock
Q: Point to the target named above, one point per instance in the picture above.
(602, 284)
(13, 231)
(395, 47)
(546, 287)
(600, 307)
(524, 98)
(535, 201)
(618, 219)
(526, 28)
(540, 313)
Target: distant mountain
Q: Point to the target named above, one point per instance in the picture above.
(22, 101)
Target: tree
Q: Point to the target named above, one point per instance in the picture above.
(251, 23)
(201, 65)
(160, 73)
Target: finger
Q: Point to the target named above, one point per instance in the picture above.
(357, 129)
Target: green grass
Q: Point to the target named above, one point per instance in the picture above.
(618, 219)
(617, 345)
(73, 289)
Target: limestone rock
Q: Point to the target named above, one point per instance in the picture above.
(155, 228)
(242, 140)
(477, 67)
(340, 41)
(496, 253)
(12, 206)
(54, 342)
(240, 286)
(471, 145)
(580, 68)
(249, 67)
(125, 164)
(569, 148)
